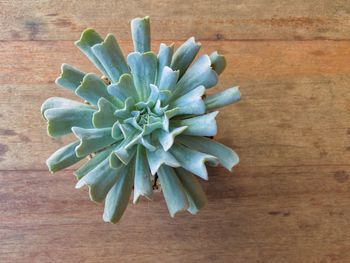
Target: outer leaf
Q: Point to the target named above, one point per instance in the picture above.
(184, 55)
(218, 62)
(227, 157)
(92, 140)
(168, 79)
(173, 190)
(191, 102)
(111, 57)
(142, 184)
(192, 160)
(93, 88)
(144, 70)
(61, 103)
(203, 125)
(61, 120)
(63, 158)
(223, 98)
(194, 191)
(100, 180)
(88, 39)
(164, 57)
(92, 163)
(70, 77)
(118, 197)
(200, 73)
(141, 34)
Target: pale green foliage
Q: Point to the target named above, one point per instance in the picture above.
(147, 118)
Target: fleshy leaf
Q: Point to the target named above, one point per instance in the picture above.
(111, 57)
(191, 102)
(144, 70)
(61, 103)
(218, 62)
(166, 139)
(192, 160)
(124, 88)
(92, 140)
(164, 57)
(118, 197)
(141, 34)
(226, 156)
(194, 191)
(100, 180)
(203, 125)
(87, 40)
(104, 117)
(184, 55)
(125, 112)
(200, 73)
(142, 184)
(220, 99)
(61, 120)
(63, 158)
(169, 79)
(93, 88)
(70, 77)
(158, 157)
(173, 191)
(92, 163)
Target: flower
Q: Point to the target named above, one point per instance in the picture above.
(148, 117)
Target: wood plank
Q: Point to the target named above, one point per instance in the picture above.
(178, 19)
(271, 214)
(294, 109)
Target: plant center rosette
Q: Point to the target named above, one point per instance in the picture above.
(146, 118)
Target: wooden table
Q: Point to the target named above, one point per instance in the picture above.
(287, 201)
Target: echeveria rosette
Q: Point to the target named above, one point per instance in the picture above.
(147, 117)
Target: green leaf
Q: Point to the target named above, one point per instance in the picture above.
(93, 88)
(218, 62)
(192, 160)
(142, 184)
(61, 120)
(223, 98)
(92, 140)
(203, 125)
(184, 55)
(200, 73)
(191, 102)
(111, 57)
(194, 191)
(169, 79)
(159, 157)
(144, 70)
(87, 40)
(70, 77)
(61, 103)
(63, 158)
(92, 163)
(100, 180)
(118, 197)
(173, 190)
(124, 88)
(104, 117)
(141, 34)
(166, 139)
(164, 57)
(226, 156)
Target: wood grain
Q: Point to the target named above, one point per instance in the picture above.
(286, 202)
(178, 19)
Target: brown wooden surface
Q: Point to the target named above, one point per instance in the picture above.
(287, 201)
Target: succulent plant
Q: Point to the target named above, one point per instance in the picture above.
(146, 120)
